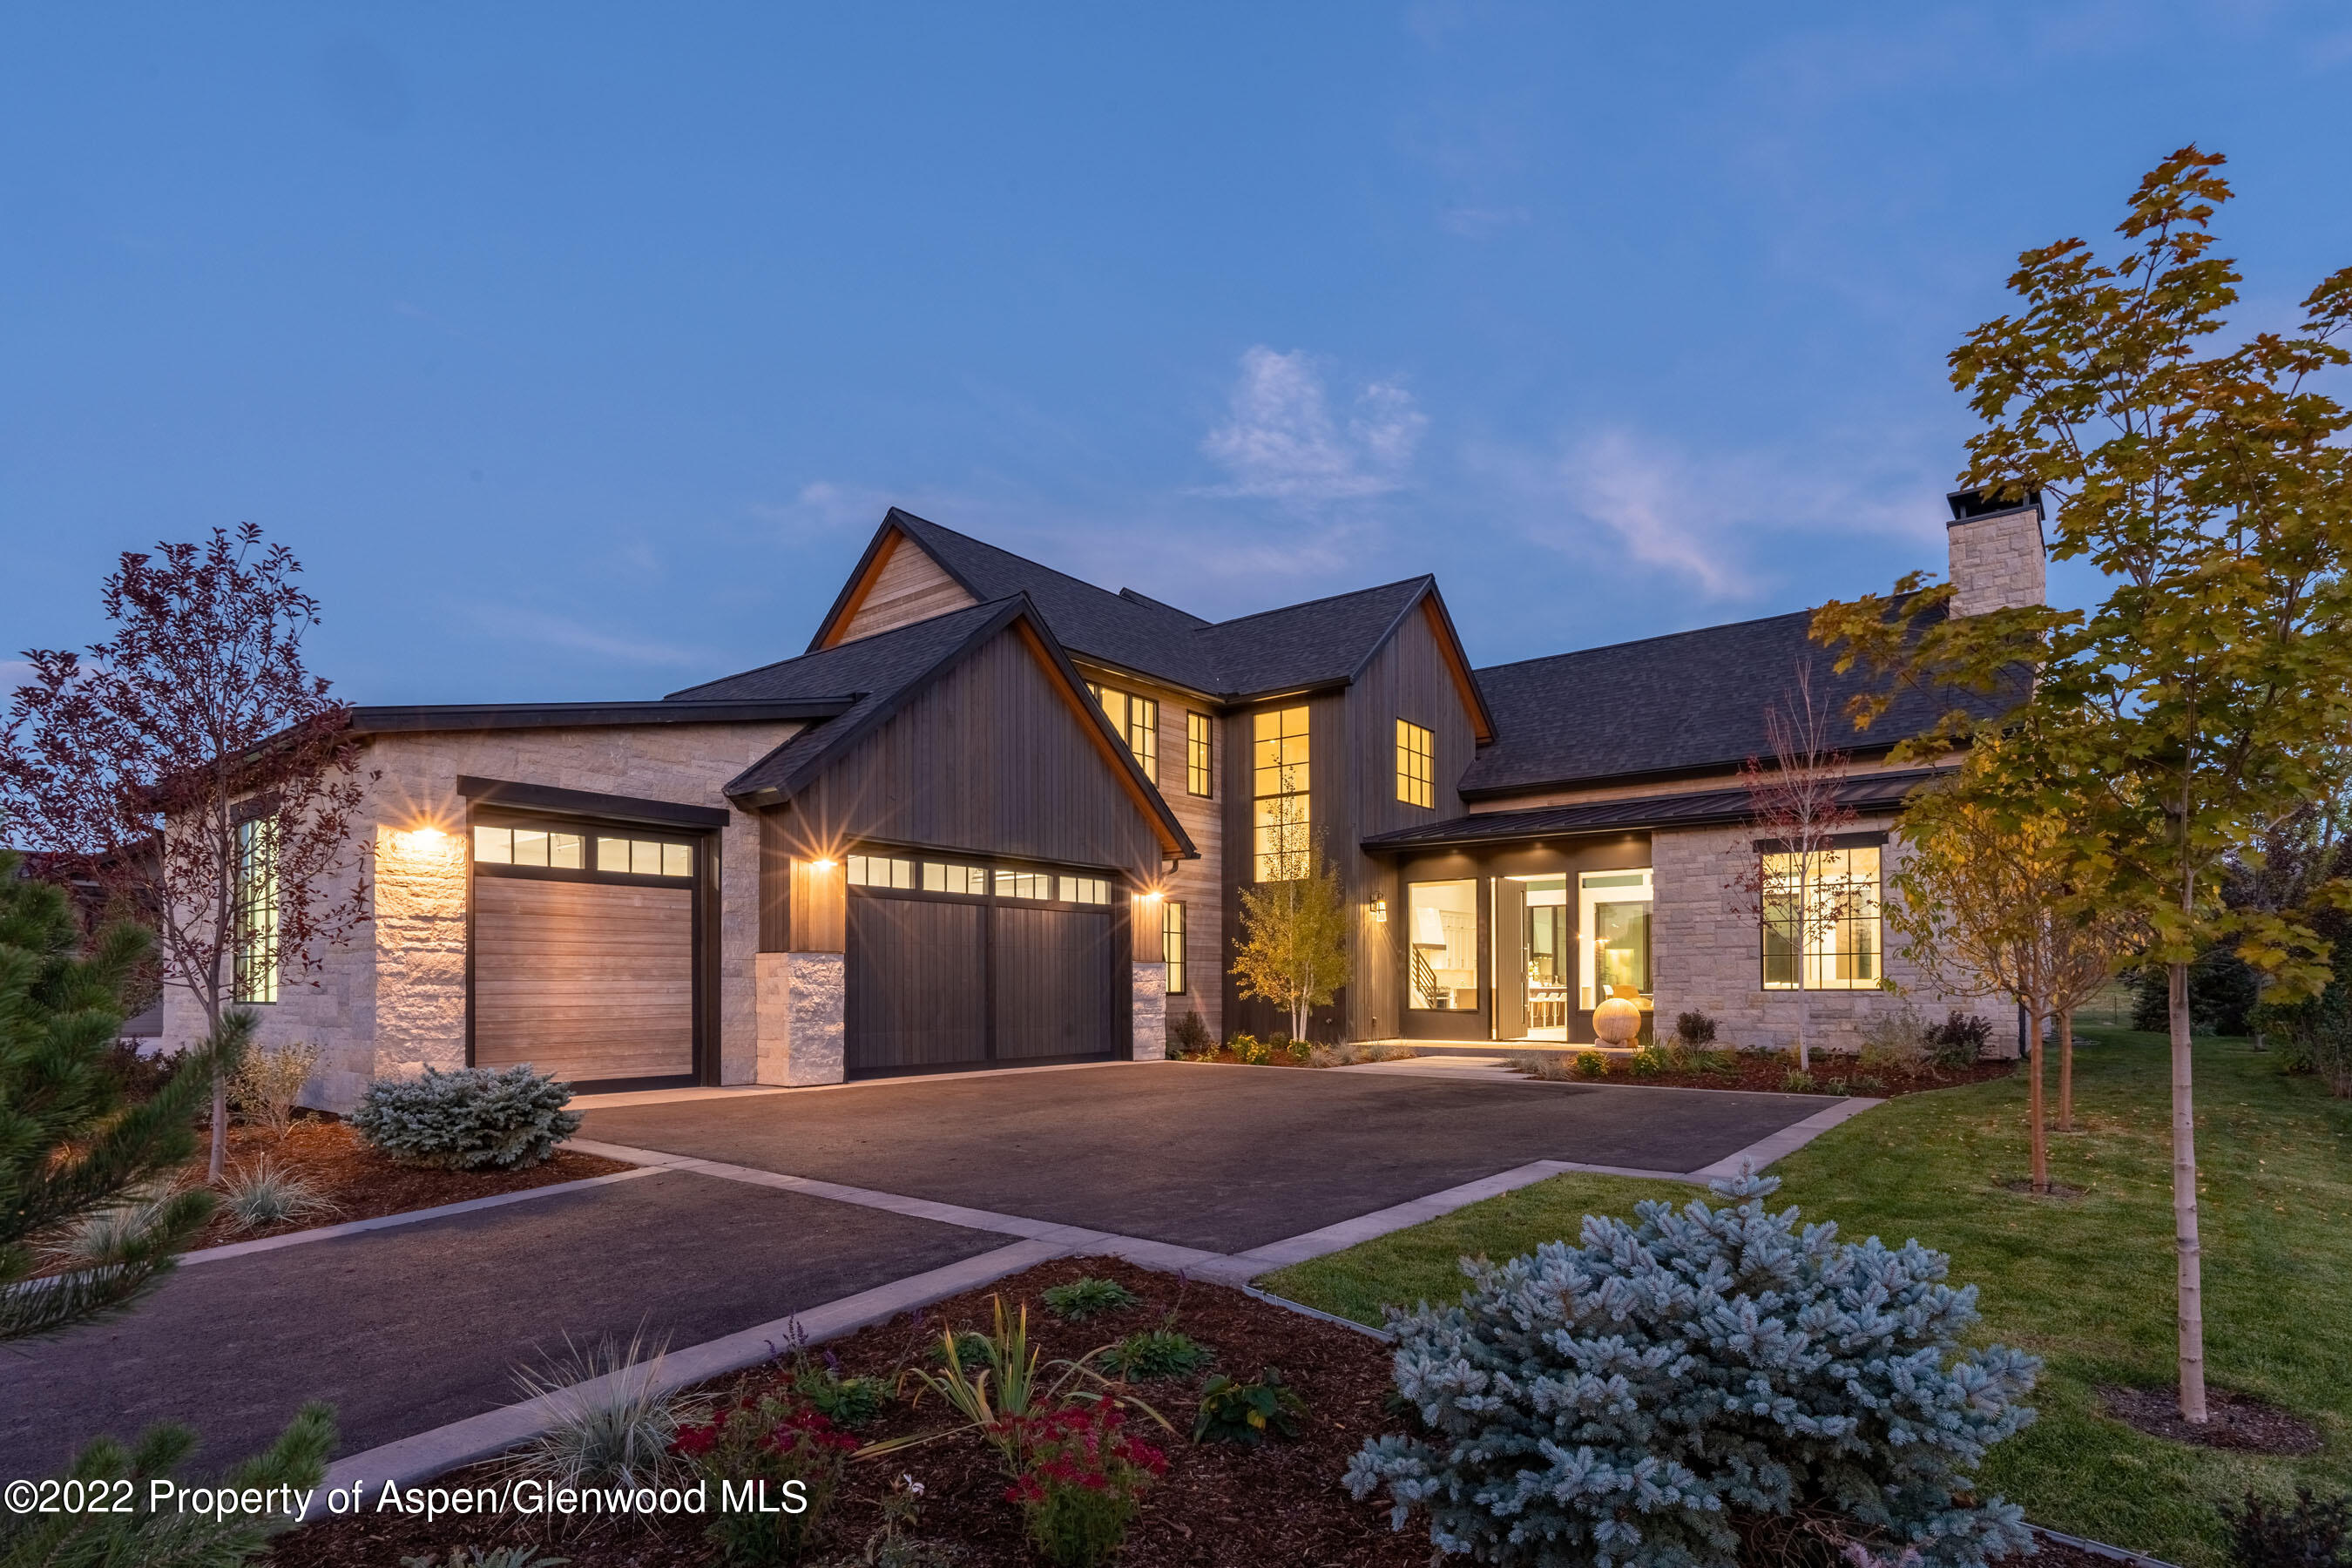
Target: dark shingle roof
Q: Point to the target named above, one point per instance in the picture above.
(1316, 643)
(1686, 702)
(1863, 793)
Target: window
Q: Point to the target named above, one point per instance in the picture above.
(1085, 891)
(1612, 911)
(1200, 754)
(640, 856)
(1023, 885)
(1137, 720)
(1829, 912)
(1416, 765)
(256, 958)
(1172, 945)
(531, 846)
(939, 877)
(1442, 933)
(1278, 778)
(880, 871)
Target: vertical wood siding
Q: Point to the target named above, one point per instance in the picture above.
(1053, 971)
(917, 984)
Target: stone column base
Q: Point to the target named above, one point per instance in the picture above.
(800, 1023)
(1150, 992)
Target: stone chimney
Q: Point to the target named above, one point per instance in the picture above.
(1998, 559)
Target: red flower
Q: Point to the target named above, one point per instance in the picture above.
(694, 1440)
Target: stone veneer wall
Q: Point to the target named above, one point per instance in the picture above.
(391, 1001)
(1998, 562)
(802, 1018)
(1705, 954)
(1149, 1031)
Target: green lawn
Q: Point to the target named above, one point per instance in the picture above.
(2086, 1284)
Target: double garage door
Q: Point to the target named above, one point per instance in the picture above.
(935, 984)
(584, 953)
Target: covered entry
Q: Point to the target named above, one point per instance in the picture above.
(951, 965)
(585, 952)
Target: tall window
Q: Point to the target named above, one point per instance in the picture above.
(1442, 940)
(1200, 754)
(1172, 945)
(1828, 913)
(1614, 912)
(1137, 720)
(1416, 765)
(1278, 785)
(256, 966)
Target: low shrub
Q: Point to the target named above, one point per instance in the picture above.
(1155, 1354)
(269, 1080)
(1089, 1298)
(844, 1401)
(893, 1543)
(1248, 1048)
(1082, 1476)
(970, 1348)
(2311, 1534)
(1895, 1042)
(1552, 1066)
(1957, 1042)
(1591, 1063)
(1695, 1028)
(1639, 1397)
(1247, 1412)
(266, 1193)
(1192, 1035)
(467, 1119)
(1650, 1062)
(1714, 1063)
(761, 1456)
(112, 1235)
(140, 1073)
(1797, 1080)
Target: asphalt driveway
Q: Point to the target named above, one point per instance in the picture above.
(407, 1328)
(1224, 1159)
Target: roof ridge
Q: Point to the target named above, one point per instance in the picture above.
(1638, 642)
(1038, 566)
(1325, 599)
(807, 654)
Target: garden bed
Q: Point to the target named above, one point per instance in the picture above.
(1219, 1506)
(1772, 1072)
(362, 1182)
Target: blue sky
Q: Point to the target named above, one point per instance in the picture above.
(577, 350)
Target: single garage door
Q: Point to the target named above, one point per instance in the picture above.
(585, 949)
(951, 966)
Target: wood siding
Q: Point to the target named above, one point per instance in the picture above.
(990, 759)
(1054, 978)
(590, 981)
(905, 585)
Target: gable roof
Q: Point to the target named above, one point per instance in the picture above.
(1687, 702)
(1323, 642)
(878, 675)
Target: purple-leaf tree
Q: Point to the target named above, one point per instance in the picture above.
(193, 767)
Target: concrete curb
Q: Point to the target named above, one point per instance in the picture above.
(406, 1216)
(1786, 1140)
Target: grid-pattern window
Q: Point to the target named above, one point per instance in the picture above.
(1828, 912)
(531, 846)
(644, 858)
(1200, 754)
(1137, 720)
(880, 871)
(1172, 945)
(1085, 891)
(255, 965)
(1416, 765)
(1281, 822)
(1023, 885)
(939, 877)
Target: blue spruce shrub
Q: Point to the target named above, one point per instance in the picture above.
(464, 1121)
(1620, 1402)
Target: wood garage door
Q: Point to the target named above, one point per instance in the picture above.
(593, 982)
(935, 984)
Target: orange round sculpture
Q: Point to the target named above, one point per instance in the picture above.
(1616, 1021)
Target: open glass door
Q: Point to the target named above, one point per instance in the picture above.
(1532, 944)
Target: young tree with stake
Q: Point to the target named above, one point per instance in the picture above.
(2208, 694)
(1294, 947)
(193, 764)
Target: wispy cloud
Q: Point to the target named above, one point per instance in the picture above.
(824, 505)
(547, 630)
(1726, 525)
(1283, 442)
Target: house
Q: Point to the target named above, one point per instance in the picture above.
(995, 815)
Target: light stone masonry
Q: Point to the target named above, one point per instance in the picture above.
(1998, 562)
(1149, 1032)
(802, 1018)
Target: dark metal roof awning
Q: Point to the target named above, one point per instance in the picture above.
(1692, 808)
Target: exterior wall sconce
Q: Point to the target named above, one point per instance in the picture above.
(1378, 910)
(822, 865)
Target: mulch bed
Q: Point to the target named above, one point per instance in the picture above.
(1767, 1072)
(363, 1183)
(1219, 1506)
(2237, 1421)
